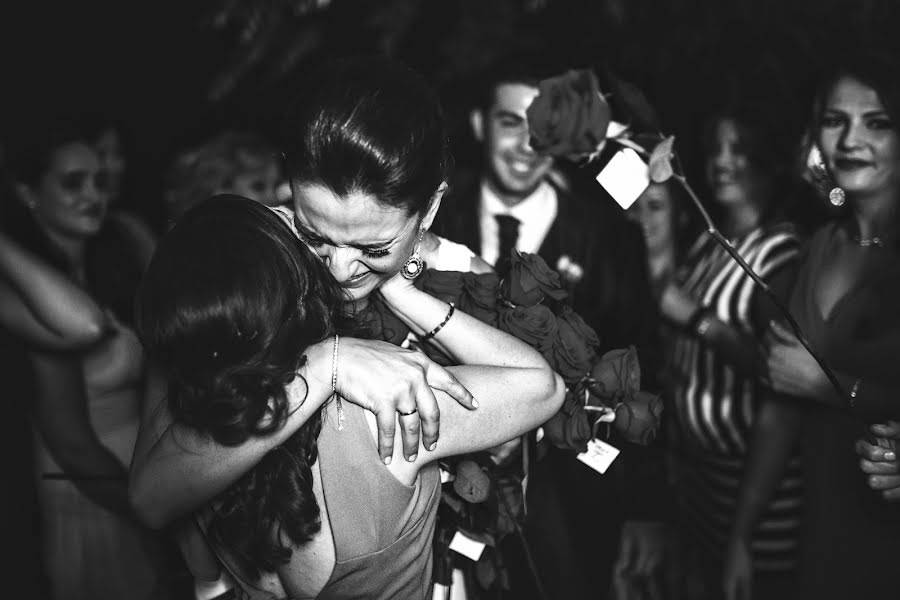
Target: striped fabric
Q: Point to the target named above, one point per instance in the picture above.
(714, 406)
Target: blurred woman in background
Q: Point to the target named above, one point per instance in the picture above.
(232, 162)
(86, 403)
(718, 406)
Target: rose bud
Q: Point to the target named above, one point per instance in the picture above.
(472, 482)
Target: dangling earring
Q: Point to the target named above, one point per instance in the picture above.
(414, 265)
(837, 196)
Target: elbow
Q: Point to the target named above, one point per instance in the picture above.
(556, 394)
(83, 334)
(92, 331)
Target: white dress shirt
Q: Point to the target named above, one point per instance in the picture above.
(536, 214)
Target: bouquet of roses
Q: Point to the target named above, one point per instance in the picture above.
(484, 499)
(529, 303)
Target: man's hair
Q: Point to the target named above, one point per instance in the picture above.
(527, 68)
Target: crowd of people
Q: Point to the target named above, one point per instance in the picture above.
(238, 404)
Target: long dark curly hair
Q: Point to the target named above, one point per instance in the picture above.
(227, 307)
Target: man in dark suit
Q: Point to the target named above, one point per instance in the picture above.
(579, 522)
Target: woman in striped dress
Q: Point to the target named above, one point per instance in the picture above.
(718, 405)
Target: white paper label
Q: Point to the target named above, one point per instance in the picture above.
(625, 177)
(599, 455)
(466, 546)
(446, 476)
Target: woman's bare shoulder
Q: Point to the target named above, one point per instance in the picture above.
(446, 255)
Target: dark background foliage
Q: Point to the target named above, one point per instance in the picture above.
(170, 72)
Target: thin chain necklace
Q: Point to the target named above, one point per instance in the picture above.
(867, 242)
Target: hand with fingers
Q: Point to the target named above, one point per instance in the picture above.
(676, 304)
(641, 549)
(737, 576)
(390, 381)
(880, 461)
(790, 368)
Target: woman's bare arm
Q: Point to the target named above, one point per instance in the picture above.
(62, 419)
(176, 469)
(512, 401)
(42, 306)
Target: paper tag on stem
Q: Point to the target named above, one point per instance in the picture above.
(625, 177)
(466, 546)
(599, 455)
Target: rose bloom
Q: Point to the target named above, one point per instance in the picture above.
(617, 370)
(530, 280)
(569, 117)
(637, 418)
(575, 348)
(534, 325)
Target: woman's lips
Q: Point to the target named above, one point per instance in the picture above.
(724, 177)
(851, 164)
(355, 281)
(93, 210)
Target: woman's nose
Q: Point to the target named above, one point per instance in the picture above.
(850, 137)
(723, 158)
(94, 191)
(342, 262)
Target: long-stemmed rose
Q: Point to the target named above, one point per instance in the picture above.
(565, 120)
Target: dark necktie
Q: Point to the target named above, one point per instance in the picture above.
(509, 235)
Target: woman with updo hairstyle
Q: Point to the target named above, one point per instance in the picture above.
(845, 300)
(232, 308)
(231, 162)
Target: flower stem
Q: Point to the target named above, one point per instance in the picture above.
(801, 337)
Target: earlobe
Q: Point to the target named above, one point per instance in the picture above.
(476, 121)
(26, 197)
(433, 207)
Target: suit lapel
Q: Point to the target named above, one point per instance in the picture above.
(559, 238)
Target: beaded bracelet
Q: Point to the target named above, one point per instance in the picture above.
(335, 395)
(434, 331)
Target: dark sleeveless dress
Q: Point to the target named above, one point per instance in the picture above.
(382, 528)
(851, 543)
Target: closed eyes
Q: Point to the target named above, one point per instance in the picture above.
(314, 242)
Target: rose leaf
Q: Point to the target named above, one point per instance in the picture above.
(661, 161)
